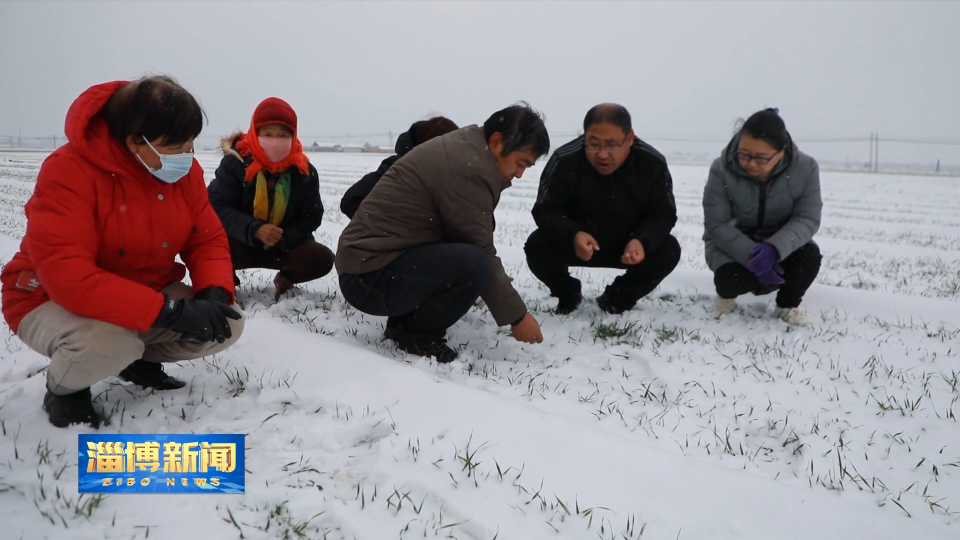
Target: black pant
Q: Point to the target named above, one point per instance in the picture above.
(800, 270)
(424, 292)
(306, 262)
(550, 263)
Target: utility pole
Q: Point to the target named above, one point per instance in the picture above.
(19, 136)
(938, 165)
(390, 135)
(876, 154)
(871, 151)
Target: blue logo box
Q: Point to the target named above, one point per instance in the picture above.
(161, 463)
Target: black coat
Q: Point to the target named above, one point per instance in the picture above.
(358, 192)
(635, 202)
(232, 199)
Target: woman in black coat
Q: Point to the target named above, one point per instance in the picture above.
(419, 133)
(267, 195)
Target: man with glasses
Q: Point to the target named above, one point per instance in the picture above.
(605, 201)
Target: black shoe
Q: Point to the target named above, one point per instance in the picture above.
(393, 329)
(150, 375)
(568, 304)
(75, 408)
(611, 307)
(435, 349)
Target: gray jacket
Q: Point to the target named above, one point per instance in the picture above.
(739, 211)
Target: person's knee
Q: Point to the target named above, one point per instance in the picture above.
(236, 327)
(810, 252)
(670, 252)
(477, 262)
(660, 263)
(205, 348)
(481, 274)
(320, 260)
(731, 280)
(348, 286)
(543, 253)
(807, 257)
(313, 260)
(362, 297)
(324, 260)
(729, 272)
(91, 353)
(472, 264)
(102, 341)
(535, 245)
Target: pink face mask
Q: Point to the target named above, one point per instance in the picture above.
(276, 148)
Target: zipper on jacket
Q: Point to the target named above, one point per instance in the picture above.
(763, 206)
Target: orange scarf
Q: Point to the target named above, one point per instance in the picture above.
(248, 144)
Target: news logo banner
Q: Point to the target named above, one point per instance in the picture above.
(161, 463)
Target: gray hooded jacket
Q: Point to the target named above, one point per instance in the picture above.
(739, 211)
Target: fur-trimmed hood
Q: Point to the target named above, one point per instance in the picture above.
(228, 144)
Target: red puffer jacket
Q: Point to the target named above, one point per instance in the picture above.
(103, 234)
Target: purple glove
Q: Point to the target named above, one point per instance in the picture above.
(762, 258)
(774, 276)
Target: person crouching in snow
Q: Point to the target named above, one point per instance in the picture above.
(761, 209)
(605, 201)
(267, 195)
(419, 133)
(420, 251)
(95, 286)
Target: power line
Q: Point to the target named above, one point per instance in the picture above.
(923, 141)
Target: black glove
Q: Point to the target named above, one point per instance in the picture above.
(216, 294)
(203, 320)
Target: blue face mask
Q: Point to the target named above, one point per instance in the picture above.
(173, 167)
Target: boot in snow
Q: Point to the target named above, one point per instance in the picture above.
(435, 349)
(792, 316)
(75, 408)
(611, 306)
(283, 284)
(723, 306)
(568, 304)
(150, 375)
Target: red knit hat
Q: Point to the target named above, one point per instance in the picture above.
(275, 111)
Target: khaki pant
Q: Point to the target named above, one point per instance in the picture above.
(85, 351)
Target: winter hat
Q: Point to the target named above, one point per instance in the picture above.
(271, 111)
(274, 110)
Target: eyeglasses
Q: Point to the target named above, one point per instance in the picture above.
(594, 147)
(759, 160)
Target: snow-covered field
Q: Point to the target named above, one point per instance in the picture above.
(663, 423)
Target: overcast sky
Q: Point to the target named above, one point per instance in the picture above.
(835, 69)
